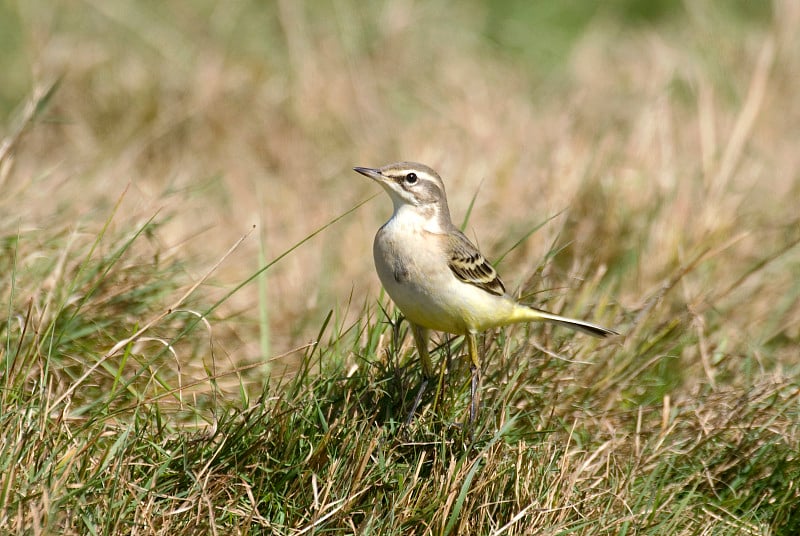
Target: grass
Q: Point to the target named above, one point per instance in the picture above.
(167, 368)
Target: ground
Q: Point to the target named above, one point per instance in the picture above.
(194, 339)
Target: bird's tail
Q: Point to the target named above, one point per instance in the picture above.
(530, 314)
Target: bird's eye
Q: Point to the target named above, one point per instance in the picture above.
(411, 178)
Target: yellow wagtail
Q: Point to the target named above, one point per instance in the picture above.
(436, 276)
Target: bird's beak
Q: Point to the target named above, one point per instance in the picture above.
(374, 174)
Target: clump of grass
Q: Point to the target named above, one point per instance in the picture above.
(327, 449)
(653, 165)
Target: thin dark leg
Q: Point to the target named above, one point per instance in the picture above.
(417, 401)
(472, 346)
(474, 395)
(440, 383)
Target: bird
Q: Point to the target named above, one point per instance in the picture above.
(437, 278)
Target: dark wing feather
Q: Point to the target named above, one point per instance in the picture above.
(468, 265)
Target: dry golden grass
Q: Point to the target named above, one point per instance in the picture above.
(665, 153)
(683, 135)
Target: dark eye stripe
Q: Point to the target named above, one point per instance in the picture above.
(425, 188)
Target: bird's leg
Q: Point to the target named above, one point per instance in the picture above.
(421, 341)
(417, 400)
(472, 346)
(440, 385)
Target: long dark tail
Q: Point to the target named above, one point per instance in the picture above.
(580, 325)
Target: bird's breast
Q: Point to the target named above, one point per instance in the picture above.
(408, 255)
(412, 266)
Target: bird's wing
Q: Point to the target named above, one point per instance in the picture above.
(468, 265)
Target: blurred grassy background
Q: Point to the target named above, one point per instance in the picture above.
(659, 136)
(225, 115)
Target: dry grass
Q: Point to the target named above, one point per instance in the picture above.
(660, 155)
